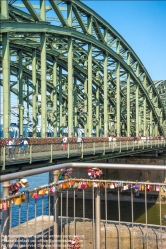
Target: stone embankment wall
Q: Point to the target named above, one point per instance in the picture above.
(138, 236)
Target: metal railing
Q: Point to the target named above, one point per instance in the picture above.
(54, 220)
(37, 152)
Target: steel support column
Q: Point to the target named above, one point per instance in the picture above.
(89, 90)
(89, 107)
(20, 86)
(43, 86)
(54, 97)
(105, 96)
(60, 100)
(128, 105)
(151, 117)
(43, 74)
(137, 104)
(97, 112)
(35, 94)
(144, 110)
(118, 100)
(6, 79)
(70, 87)
(85, 104)
(128, 98)
(75, 107)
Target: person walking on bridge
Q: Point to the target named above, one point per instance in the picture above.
(64, 142)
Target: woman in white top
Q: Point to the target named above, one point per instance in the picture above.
(110, 140)
(25, 147)
(64, 142)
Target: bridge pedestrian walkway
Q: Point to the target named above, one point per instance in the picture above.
(45, 152)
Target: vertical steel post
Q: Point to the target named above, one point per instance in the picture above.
(35, 94)
(43, 85)
(118, 99)
(5, 71)
(75, 107)
(85, 104)
(105, 89)
(3, 157)
(43, 73)
(70, 73)
(51, 152)
(97, 210)
(56, 211)
(151, 115)
(105, 96)
(89, 125)
(54, 97)
(60, 100)
(70, 87)
(106, 216)
(20, 87)
(5, 233)
(144, 109)
(132, 216)
(137, 104)
(146, 219)
(89, 90)
(119, 216)
(128, 105)
(161, 230)
(97, 112)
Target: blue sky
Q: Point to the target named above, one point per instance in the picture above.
(143, 25)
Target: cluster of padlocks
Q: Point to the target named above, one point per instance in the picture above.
(65, 173)
(94, 173)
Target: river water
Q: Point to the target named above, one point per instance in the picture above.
(153, 210)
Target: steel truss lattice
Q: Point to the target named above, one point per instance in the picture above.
(86, 73)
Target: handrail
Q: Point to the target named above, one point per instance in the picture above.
(59, 182)
(31, 172)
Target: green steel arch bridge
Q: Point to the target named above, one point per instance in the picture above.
(81, 68)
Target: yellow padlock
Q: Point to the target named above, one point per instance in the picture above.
(17, 200)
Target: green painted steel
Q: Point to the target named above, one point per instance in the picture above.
(86, 73)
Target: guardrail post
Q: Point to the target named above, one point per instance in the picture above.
(30, 154)
(104, 148)
(68, 150)
(133, 145)
(4, 157)
(127, 145)
(93, 148)
(56, 211)
(51, 154)
(82, 150)
(97, 201)
(5, 230)
(120, 146)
